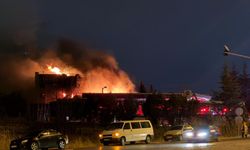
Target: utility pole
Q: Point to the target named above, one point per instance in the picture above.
(228, 51)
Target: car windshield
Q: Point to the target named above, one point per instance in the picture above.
(176, 128)
(113, 126)
(205, 127)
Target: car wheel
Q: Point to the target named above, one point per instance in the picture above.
(122, 141)
(148, 139)
(34, 146)
(61, 144)
(105, 143)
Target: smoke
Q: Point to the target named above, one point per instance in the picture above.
(20, 57)
(83, 58)
(19, 21)
(18, 27)
(97, 69)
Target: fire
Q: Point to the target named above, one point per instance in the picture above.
(103, 80)
(56, 70)
(93, 78)
(64, 94)
(100, 80)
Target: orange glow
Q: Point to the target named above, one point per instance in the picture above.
(56, 70)
(102, 80)
(94, 80)
(64, 95)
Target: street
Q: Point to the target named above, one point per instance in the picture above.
(239, 144)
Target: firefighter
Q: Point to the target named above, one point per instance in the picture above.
(244, 129)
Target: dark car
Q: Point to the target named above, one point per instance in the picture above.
(203, 133)
(41, 139)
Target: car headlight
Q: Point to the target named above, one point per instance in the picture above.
(189, 134)
(24, 141)
(202, 134)
(116, 134)
(100, 135)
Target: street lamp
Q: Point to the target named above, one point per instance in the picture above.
(228, 51)
(104, 88)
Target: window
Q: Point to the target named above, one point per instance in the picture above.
(135, 125)
(145, 125)
(45, 133)
(126, 126)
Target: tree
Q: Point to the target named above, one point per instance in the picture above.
(177, 103)
(153, 107)
(244, 83)
(142, 88)
(230, 87)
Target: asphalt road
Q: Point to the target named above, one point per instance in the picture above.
(238, 144)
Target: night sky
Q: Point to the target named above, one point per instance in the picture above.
(173, 45)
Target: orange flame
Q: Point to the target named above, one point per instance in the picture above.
(56, 70)
(102, 80)
(94, 80)
(64, 94)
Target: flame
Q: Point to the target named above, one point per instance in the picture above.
(56, 70)
(103, 80)
(100, 80)
(93, 79)
(64, 95)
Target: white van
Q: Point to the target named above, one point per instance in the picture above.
(127, 131)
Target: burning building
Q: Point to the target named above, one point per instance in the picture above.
(56, 86)
(51, 87)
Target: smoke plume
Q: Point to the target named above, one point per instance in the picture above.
(20, 56)
(97, 69)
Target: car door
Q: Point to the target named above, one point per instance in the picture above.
(53, 138)
(43, 139)
(127, 131)
(136, 130)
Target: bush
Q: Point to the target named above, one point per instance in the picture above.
(159, 132)
(230, 129)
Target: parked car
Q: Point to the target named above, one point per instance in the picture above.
(41, 139)
(127, 131)
(203, 133)
(176, 132)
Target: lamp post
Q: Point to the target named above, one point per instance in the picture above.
(104, 88)
(228, 51)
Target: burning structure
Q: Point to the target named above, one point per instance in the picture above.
(51, 87)
(56, 86)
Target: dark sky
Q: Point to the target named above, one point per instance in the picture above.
(174, 45)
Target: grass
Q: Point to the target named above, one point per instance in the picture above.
(5, 136)
(80, 142)
(81, 135)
